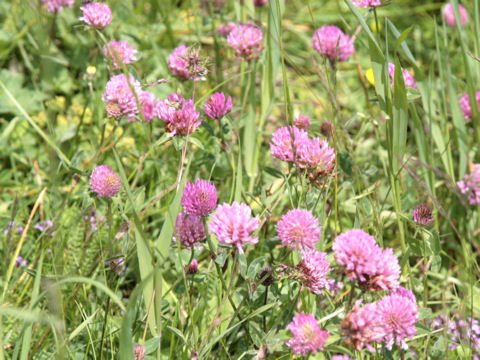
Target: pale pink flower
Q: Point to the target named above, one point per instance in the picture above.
(199, 198)
(20, 262)
(97, 15)
(365, 261)
(217, 107)
(180, 115)
(282, 146)
(450, 16)
(341, 357)
(465, 104)
(366, 3)
(139, 352)
(177, 62)
(362, 326)
(401, 291)
(104, 181)
(328, 38)
(316, 154)
(233, 225)
(407, 77)
(186, 63)
(149, 104)
(58, 5)
(189, 229)
(119, 52)
(247, 41)
(471, 185)
(387, 272)
(398, 315)
(313, 270)
(302, 122)
(119, 98)
(298, 229)
(309, 154)
(307, 335)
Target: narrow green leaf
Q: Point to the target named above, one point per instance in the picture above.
(400, 118)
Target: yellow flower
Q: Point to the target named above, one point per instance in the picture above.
(369, 76)
(91, 70)
(62, 120)
(40, 118)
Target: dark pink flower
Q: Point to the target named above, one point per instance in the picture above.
(97, 15)
(298, 229)
(233, 225)
(422, 214)
(217, 107)
(247, 41)
(199, 198)
(192, 268)
(260, 3)
(189, 229)
(307, 335)
(327, 38)
(120, 53)
(104, 181)
(180, 115)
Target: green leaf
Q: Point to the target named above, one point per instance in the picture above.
(400, 118)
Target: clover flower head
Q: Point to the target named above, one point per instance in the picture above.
(298, 229)
(189, 229)
(246, 40)
(233, 225)
(97, 15)
(471, 185)
(450, 15)
(307, 335)
(119, 52)
(313, 270)
(217, 106)
(58, 5)
(199, 198)
(104, 181)
(398, 315)
(326, 40)
(465, 104)
(180, 115)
